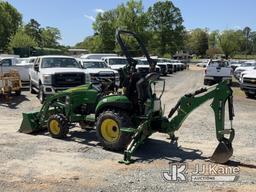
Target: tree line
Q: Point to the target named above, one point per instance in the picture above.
(15, 34)
(160, 27)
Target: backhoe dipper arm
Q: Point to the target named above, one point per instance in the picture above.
(220, 94)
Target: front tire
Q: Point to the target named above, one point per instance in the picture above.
(108, 131)
(32, 91)
(41, 95)
(58, 126)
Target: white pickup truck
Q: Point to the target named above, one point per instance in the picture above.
(98, 69)
(216, 71)
(50, 74)
(247, 66)
(117, 63)
(248, 82)
(12, 63)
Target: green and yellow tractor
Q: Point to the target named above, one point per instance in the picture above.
(123, 120)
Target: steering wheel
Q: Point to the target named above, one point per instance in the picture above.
(107, 85)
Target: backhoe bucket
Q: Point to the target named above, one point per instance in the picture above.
(223, 152)
(29, 123)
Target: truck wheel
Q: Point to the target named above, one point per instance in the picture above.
(205, 82)
(32, 91)
(58, 126)
(41, 95)
(249, 95)
(108, 130)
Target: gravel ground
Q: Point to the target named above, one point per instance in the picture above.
(41, 163)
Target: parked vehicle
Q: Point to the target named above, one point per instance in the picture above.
(117, 63)
(170, 66)
(203, 63)
(50, 74)
(235, 63)
(98, 55)
(248, 82)
(216, 71)
(98, 69)
(179, 65)
(159, 68)
(13, 63)
(249, 65)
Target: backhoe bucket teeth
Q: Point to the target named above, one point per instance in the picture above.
(29, 123)
(223, 152)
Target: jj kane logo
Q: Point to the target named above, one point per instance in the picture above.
(178, 172)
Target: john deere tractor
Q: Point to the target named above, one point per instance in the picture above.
(123, 120)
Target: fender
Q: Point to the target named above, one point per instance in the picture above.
(113, 101)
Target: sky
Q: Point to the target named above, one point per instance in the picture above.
(74, 18)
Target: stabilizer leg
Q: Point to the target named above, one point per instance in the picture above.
(137, 139)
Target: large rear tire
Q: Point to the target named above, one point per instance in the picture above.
(108, 130)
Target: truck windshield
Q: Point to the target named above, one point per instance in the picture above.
(248, 64)
(118, 61)
(219, 64)
(59, 63)
(143, 62)
(94, 64)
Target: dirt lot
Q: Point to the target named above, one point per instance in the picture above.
(41, 163)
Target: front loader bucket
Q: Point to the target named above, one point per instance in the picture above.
(30, 123)
(223, 152)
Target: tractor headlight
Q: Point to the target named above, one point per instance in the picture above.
(47, 79)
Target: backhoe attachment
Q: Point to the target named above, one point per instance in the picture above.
(220, 94)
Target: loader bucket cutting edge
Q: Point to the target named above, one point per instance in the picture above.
(29, 123)
(222, 152)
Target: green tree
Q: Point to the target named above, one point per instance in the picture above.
(33, 29)
(50, 37)
(165, 21)
(10, 20)
(22, 40)
(198, 41)
(213, 39)
(228, 42)
(105, 28)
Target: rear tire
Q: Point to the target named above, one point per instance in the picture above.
(58, 126)
(108, 130)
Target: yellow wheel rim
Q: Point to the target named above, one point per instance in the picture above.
(110, 130)
(54, 127)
